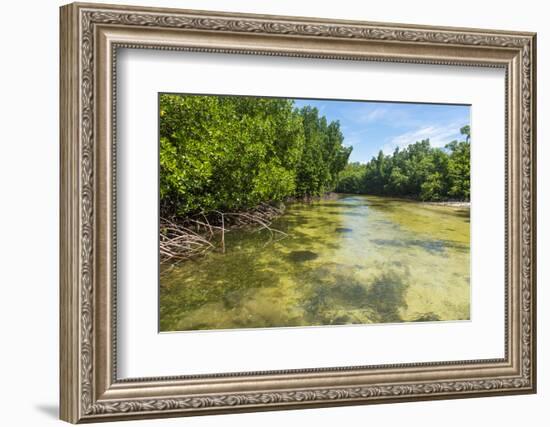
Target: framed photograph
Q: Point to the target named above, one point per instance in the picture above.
(267, 212)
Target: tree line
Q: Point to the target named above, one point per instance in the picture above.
(418, 171)
(224, 153)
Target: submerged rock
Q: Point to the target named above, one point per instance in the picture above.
(343, 230)
(301, 256)
(427, 317)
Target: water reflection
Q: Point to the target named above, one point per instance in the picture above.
(389, 261)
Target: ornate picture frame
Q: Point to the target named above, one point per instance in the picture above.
(90, 37)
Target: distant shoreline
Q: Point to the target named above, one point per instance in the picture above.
(454, 204)
(450, 203)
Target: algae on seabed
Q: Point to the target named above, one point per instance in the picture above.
(357, 259)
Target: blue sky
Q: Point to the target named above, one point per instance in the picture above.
(373, 126)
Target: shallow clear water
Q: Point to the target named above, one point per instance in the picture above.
(356, 259)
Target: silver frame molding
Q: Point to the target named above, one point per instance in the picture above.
(90, 37)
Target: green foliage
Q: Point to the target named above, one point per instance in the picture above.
(229, 153)
(351, 178)
(419, 171)
(465, 130)
(459, 169)
(323, 156)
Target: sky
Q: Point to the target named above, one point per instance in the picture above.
(373, 126)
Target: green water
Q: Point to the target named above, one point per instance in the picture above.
(356, 259)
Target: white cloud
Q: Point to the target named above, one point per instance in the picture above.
(439, 136)
(366, 114)
(374, 115)
(392, 116)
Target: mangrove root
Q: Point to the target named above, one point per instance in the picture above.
(184, 238)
